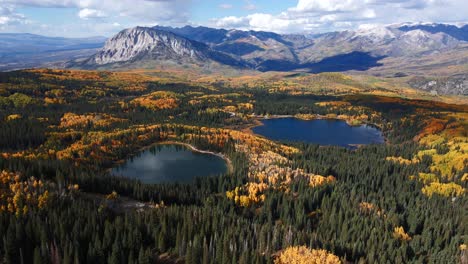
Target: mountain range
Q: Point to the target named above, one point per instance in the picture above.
(360, 50)
(437, 50)
(460, 33)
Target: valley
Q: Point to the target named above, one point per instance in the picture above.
(233, 132)
(63, 131)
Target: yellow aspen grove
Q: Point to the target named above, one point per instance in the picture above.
(304, 255)
(399, 233)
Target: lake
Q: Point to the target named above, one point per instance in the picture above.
(169, 163)
(319, 131)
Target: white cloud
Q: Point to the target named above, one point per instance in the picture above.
(264, 22)
(100, 14)
(328, 6)
(149, 10)
(8, 16)
(4, 20)
(88, 13)
(368, 13)
(331, 15)
(232, 21)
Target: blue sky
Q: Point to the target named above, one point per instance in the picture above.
(80, 18)
(205, 10)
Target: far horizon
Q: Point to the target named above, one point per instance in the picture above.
(77, 19)
(360, 27)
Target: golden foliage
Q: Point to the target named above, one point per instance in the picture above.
(245, 106)
(305, 116)
(230, 108)
(446, 164)
(304, 255)
(366, 207)
(251, 193)
(17, 195)
(112, 196)
(402, 160)
(464, 178)
(453, 160)
(49, 100)
(400, 234)
(73, 120)
(318, 180)
(333, 103)
(428, 178)
(443, 189)
(447, 144)
(157, 100)
(369, 208)
(13, 117)
(43, 199)
(268, 169)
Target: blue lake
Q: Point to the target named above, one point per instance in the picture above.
(319, 131)
(168, 163)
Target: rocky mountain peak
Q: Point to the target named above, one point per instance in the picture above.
(135, 42)
(375, 33)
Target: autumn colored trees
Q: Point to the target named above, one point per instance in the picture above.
(303, 255)
(17, 196)
(400, 202)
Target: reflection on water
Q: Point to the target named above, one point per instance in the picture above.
(320, 131)
(170, 163)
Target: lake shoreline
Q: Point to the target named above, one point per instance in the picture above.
(257, 121)
(230, 167)
(310, 117)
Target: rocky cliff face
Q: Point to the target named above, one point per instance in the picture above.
(141, 42)
(457, 84)
(149, 46)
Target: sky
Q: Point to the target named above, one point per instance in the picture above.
(84, 18)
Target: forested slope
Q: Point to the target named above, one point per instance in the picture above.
(400, 202)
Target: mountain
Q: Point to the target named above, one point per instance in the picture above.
(255, 48)
(144, 45)
(379, 41)
(220, 36)
(390, 51)
(460, 33)
(201, 34)
(29, 50)
(347, 50)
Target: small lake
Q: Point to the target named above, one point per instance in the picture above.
(169, 163)
(319, 131)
